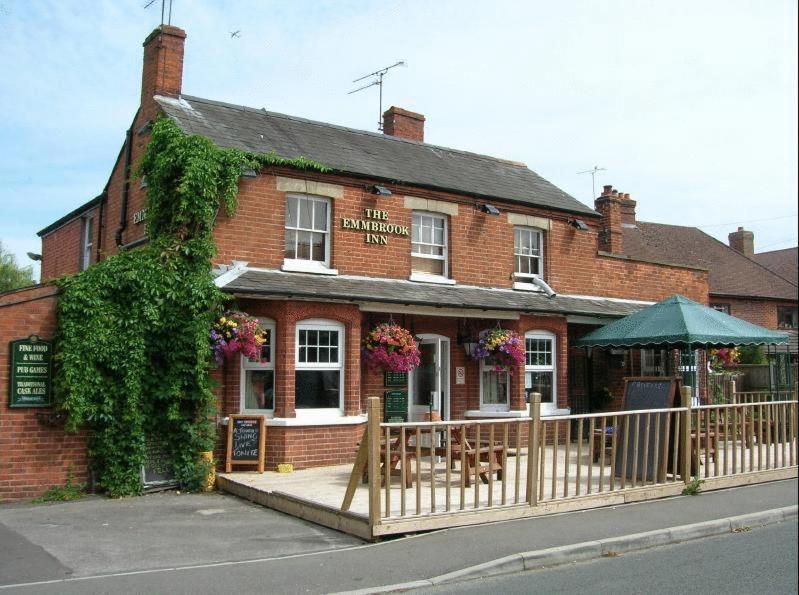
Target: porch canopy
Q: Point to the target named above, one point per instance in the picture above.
(678, 322)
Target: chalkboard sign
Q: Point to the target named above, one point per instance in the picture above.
(646, 393)
(246, 438)
(157, 471)
(395, 406)
(395, 378)
(31, 373)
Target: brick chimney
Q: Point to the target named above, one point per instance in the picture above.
(743, 241)
(609, 205)
(627, 209)
(162, 73)
(404, 124)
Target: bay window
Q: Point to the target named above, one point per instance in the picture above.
(258, 376)
(539, 368)
(319, 368)
(494, 387)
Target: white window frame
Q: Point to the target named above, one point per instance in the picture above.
(525, 279)
(319, 324)
(421, 276)
(546, 408)
(249, 365)
(87, 241)
(489, 367)
(301, 264)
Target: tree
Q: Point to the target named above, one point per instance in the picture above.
(13, 276)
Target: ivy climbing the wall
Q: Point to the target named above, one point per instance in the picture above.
(132, 346)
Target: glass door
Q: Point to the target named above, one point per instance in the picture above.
(429, 383)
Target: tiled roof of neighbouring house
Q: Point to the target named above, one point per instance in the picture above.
(367, 154)
(274, 283)
(731, 273)
(784, 263)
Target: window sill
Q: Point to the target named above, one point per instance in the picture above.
(525, 284)
(294, 266)
(422, 278)
(484, 413)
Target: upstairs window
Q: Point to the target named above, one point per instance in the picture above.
(787, 317)
(721, 308)
(86, 243)
(307, 230)
(528, 252)
(429, 245)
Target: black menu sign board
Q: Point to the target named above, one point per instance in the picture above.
(246, 439)
(31, 377)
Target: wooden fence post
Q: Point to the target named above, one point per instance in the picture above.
(373, 437)
(732, 391)
(685, 430)
(533, 448)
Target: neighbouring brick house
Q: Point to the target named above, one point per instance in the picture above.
(446, 243)
(759, 288)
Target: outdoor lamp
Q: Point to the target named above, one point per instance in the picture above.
(489, 209)
(469, 345)
(34, 256)
(380, 190)
(578, 224)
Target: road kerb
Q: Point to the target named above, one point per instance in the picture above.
(588, 550)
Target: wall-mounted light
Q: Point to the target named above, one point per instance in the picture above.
(34, 256)
(380, 190)
(469, 345)
(578, 224)
(489, 209)
(249, 174)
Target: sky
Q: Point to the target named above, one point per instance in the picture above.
(691, 107)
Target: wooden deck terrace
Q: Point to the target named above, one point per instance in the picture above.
(735, 449)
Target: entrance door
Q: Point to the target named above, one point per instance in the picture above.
(429, 383)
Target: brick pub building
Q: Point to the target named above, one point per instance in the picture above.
(444, 242)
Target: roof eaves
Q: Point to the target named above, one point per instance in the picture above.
(74, 214)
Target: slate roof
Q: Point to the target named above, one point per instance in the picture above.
(367, 154)
(784, 263)
(731, 273)
(273, 283)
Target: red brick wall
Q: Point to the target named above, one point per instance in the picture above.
(62, 248)
(33, 456)
(762, 312)
(480, 245)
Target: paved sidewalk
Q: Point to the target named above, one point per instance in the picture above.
(430, 555)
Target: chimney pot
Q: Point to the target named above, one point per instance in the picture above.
(607, 189)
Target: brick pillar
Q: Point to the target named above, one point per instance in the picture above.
(284, 366)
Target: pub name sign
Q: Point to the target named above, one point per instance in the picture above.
(375, 224)
(31, 373)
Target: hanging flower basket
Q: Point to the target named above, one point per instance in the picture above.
(237, 332)
(390, 348)
(505, 348)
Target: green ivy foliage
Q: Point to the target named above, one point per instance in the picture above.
(132, 351)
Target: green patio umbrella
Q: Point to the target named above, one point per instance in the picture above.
(678, 322)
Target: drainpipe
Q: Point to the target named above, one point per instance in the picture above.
(123, 211)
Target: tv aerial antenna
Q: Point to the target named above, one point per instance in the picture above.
(377, 81)
(593, 177)
(164, 4)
